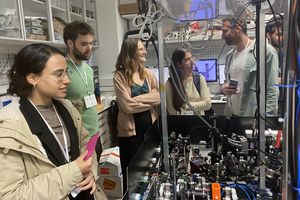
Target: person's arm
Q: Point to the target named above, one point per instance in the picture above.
(169, 99)
(205, 103)
(83, 137)
(153, 97)
(125, 102)
(55, 184)
(272, 93)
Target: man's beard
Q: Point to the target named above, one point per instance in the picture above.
(276, 43)
(79, 56)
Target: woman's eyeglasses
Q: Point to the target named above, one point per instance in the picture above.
(60, 74)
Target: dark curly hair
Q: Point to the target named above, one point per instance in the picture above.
(30, 59)
(73, 29)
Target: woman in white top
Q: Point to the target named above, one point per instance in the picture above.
(196, 91)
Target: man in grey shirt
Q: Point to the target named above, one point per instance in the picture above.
(241, 65)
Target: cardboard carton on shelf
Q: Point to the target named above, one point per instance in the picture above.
(112, 185)
(110, 173)
(58, 26)
(37, 37)
(127, 9)
(109, 163)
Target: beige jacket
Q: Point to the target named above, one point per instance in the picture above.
(26, 173)
(200, 102)
(129, 105)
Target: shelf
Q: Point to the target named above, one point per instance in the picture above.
(34, 8)
(57, 9)
(39, 2)
(21, 42)
(75, 14)
(90, 19)
(12, 41)
(129, 16)
(174, 41)
(40, 9)
(38, 41)
(59, 42)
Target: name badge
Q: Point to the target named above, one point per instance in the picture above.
(90, 101)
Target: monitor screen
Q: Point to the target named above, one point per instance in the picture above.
(156, 73)
(196, 10)
(222, 77)
(208, 68)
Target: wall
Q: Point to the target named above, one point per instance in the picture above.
(6, 60)
(111, 31)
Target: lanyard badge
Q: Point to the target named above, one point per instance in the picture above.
(90, 101)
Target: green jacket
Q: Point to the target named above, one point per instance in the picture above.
(26, 173)
(249, 104)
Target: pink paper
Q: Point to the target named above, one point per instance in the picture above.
(91, 145)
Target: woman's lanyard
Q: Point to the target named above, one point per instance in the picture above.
(65, 149)
(84, 79)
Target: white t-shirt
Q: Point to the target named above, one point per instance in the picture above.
(237, 71)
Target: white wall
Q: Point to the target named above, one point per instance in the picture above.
(111, 31)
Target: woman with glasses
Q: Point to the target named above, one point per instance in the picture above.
(42, 140)
(195, 89)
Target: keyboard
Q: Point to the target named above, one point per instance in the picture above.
(215, 97)
(218, 98)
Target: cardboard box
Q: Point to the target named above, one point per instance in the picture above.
(36, 37)
(58, 26)
(35, 21)
(35, 30)
(112, 185)
(109, 163)
(127, 9)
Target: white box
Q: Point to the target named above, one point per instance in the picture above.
(109, 163)
(112, 185)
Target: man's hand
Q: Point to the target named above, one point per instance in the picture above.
(229, 90)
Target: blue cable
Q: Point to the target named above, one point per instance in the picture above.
(298, 104)
(250, 192)
(296, 116)
(237, 185)
(261, 191)
(296, 122)
(285, 86)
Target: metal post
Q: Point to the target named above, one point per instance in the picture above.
(163, 98)
(261, 105)
(173, 162)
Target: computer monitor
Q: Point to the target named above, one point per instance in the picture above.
(155, 70)
(222, 77)
(196, 10)
(208, 68)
